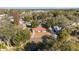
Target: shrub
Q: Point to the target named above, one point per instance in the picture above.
(2, 46)
(21, 37)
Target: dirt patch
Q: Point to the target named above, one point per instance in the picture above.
(38, 35)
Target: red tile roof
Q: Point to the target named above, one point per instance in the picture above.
(39, 29)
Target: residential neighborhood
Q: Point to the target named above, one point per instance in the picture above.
(39, 30)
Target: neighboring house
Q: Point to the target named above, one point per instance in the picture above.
(3, 15)
(12, 20)
(75, 24)
(75, 32)
(2, 21)
(28, 24)
(10, 17)
(56, 29)
(22, 24)
(54, 35)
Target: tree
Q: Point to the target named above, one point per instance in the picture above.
(6, 30)
(12, 34)
(34, 23)
(51, 22)
(70, 46)
(20, 37)
(28, 18)
(16, 15)
(63, 35)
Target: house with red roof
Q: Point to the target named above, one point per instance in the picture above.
(39, 29)
(38, 33)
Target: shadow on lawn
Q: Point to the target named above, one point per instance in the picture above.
(41, 46)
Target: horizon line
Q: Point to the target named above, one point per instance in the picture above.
(39, 7)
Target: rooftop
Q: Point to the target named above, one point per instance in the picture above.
(39, 29)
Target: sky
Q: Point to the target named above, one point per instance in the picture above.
(39, 3)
